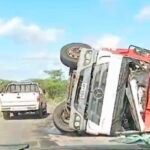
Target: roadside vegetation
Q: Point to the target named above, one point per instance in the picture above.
(55, 86)
(3, 84)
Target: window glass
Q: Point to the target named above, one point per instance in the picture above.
(22, 88)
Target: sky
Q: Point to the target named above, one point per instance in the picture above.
(33, 32)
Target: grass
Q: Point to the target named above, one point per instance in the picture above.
(54, 102)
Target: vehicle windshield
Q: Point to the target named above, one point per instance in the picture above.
(22, 88)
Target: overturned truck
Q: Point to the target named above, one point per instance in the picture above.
(108, 91)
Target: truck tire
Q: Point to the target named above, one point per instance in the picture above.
(58, 119)
(6, 115)
(40, 112)
(45, 111)
(15, 114)
(70, 53)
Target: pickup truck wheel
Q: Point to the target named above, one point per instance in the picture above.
(58, 119)
(6, 115)
(15, 114)
(45, 111)
(40, 113)
(70, 53)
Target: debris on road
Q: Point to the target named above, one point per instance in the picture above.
(134, 139)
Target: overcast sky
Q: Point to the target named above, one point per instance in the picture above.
(33, 31)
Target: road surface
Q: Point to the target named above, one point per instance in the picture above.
(40, 133)
(27, 128)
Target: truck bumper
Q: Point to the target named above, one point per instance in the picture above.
(20, 108)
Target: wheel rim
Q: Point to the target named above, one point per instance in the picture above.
(74, 52)
(65, 116)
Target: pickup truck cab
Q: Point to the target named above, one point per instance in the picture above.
(21, 97)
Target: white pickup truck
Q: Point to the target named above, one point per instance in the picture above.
(21, 97)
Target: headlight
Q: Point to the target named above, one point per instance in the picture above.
(77, 121)
(88, 57)
(77, 118)
(76, 124)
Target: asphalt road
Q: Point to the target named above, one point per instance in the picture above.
(27, 128)
(41, 133)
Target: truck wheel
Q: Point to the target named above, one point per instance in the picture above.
(6, 115)
(70, 53)
(40, 113)
(45, 111)
(58, 118)
(15, 114)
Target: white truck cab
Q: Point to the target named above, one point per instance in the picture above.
(107, 91)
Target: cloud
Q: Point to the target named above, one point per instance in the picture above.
(37, 58)
(44, 56)
(143, 14)
(18, 30)
(26, 68)
(109, 41)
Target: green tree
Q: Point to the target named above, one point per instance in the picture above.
(56, 86)
(3, 84)
(54, 74)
